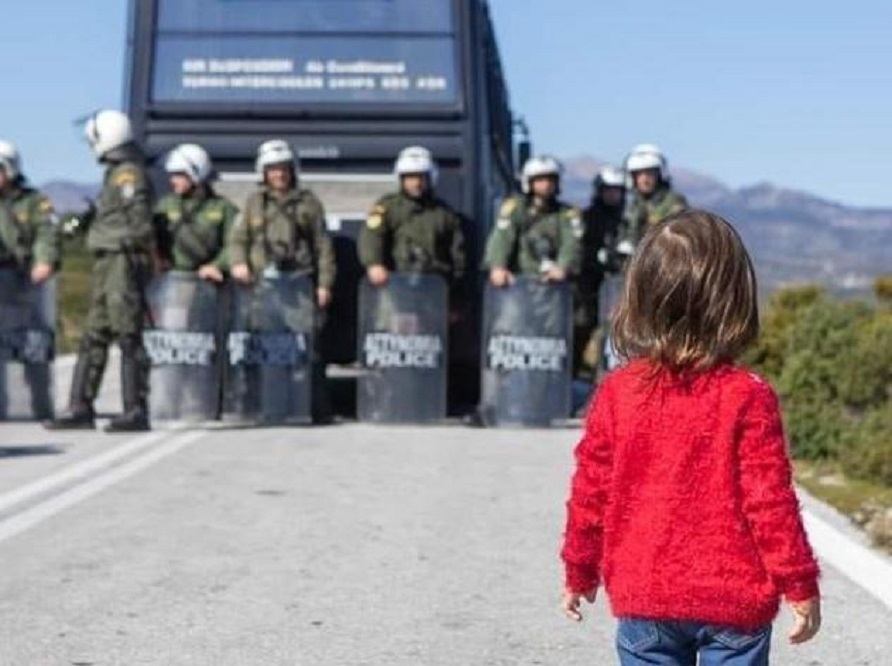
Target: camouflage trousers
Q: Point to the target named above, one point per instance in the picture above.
(117, 313)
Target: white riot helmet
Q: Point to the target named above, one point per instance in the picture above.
(647, 156)
(189, 159)
(275, 151)
(610, 176)
(107, 130)
(10, 160)
(537, 167)
(416, 159)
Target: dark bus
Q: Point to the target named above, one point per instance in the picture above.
(349, 83)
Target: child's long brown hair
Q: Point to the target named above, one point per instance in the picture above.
(689, 301)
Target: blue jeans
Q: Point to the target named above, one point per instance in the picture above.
(670, 643)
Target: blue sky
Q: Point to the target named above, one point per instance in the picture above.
(798, 93)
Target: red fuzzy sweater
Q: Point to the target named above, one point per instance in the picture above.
(682, 500)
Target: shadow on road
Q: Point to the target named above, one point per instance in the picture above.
(22, 450)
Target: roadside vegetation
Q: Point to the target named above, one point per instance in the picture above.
(831, 363)
(73, 294)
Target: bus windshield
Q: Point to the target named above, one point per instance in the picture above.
(260, 52)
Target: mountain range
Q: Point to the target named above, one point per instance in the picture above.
(794, 236)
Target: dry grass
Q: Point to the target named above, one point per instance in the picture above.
(859, 500)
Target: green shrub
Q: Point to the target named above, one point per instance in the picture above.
(831, 363)
(782, 312)
(816, 430)
(865, 371)
(869, 455)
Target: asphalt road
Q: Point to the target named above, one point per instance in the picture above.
(334, 546)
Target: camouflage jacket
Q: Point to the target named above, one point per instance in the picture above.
(194, 230)
(29, 229)
(414, 235)
(525, 237)
(285, 232)
(646, 211)
(123, 219)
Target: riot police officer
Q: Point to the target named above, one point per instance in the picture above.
(283, 230)
(413, 230)
(653, 197)
(193, 222)
(121, 240)
(601, 221)
(29, 244)
(283, 227)
(537, 233)
(30, 238)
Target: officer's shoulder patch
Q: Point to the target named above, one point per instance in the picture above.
(572, 213)
(215, 214)
(125, 180)
(509, 205)
(376, 216)
(124, 175)
(44, 205)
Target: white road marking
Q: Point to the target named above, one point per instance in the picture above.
(862, 566)
(78, 470)
(58, 503)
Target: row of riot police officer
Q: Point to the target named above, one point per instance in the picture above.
(282, 229)
(192, 229)
(536, 234)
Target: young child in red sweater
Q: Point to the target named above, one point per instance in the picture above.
(682, 502)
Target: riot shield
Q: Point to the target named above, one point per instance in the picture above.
(527, 354)
(270, 348)
(403, 347)
(27, 346)
(183, 347)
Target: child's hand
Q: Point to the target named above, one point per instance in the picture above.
(807, 616)
(571, 601)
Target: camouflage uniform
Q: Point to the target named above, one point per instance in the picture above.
(193, 230)
(285, 234)
(601, 224)
(121, 239)
(525, 236)
(288, 234)
(645, 211)
(414, 235)
(29, 235)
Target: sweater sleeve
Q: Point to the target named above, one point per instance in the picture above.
(583, 537)
(769, 501)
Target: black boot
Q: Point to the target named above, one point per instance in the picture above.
(134, 420)
(320, 407)
(80, 408)
(133, 389)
